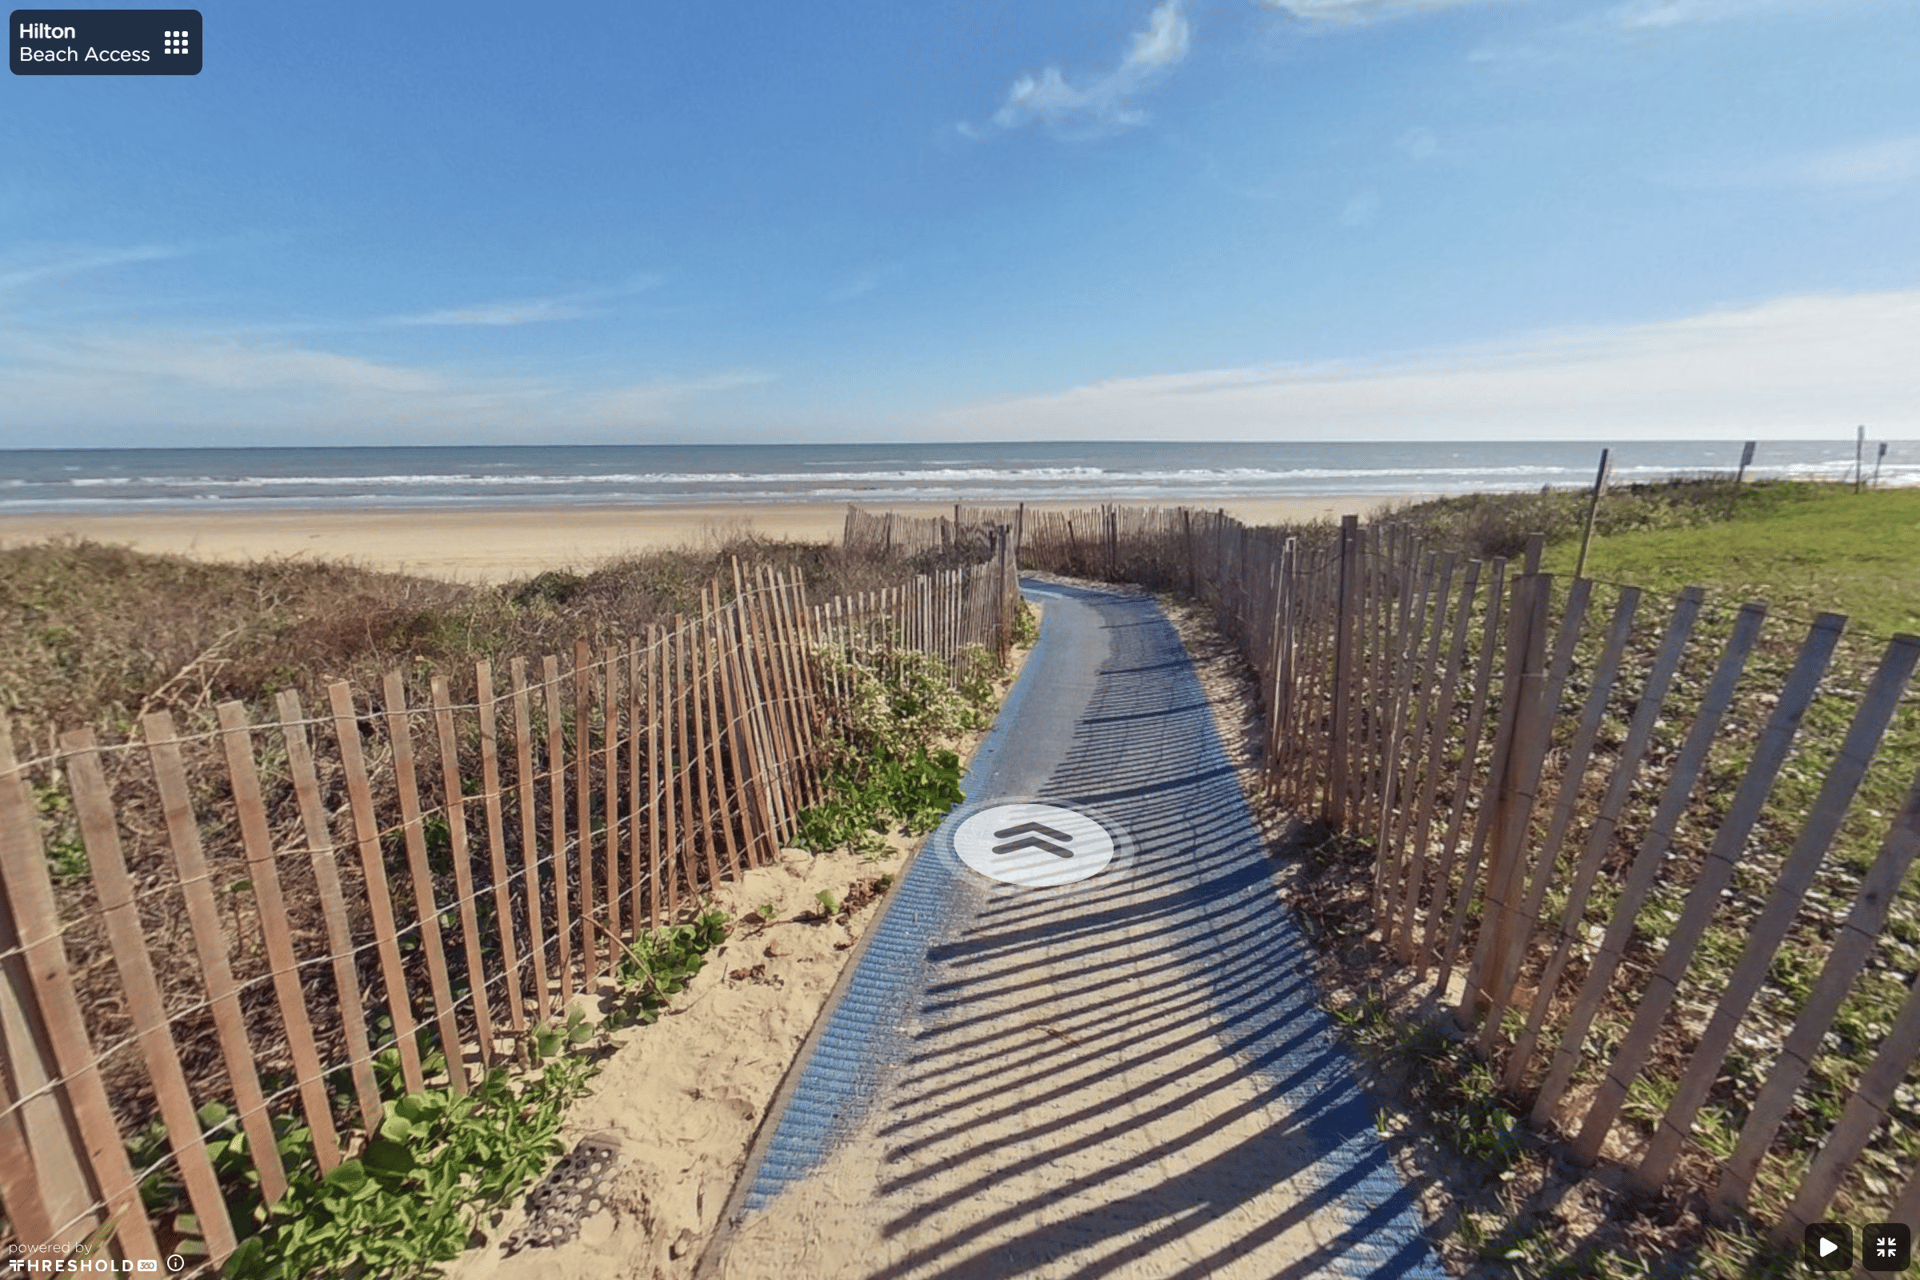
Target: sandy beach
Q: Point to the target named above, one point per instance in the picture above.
(498, 544)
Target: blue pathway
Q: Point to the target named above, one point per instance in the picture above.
(1174, 981)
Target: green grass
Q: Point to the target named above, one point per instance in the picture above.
(1804, 549)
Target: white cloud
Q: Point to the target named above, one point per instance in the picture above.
(1887, 163)
(28, 269)
(1655, 14)
(861, 283)
(567, 306)
(1360, 209)
(535, 311)
(1869, 168)
(151, 387)
(1790, 368)
(1104, 103)
(1353, 13)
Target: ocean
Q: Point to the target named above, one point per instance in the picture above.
(123, 481)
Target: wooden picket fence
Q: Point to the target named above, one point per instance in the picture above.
(269, 910)
(1613, 835)
(972, 534)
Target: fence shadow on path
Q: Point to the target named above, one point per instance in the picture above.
(1132, 1072)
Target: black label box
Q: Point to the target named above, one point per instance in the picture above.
(104, 42)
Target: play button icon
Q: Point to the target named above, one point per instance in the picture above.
(1828, 1246)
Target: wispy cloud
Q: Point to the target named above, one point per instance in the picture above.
(1355, 13)
(1791, 367)
(1105, 103)
(1655, 14)
(533, 311)
(31, 268)
(1869, 168)
(861, 283)
(1883, 164)
(145, 385)
(519, 311)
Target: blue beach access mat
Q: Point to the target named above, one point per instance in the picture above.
(1083, 1039)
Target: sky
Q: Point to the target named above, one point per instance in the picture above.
(854, 220)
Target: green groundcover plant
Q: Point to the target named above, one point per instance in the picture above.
(440, 1163)
(884, 770)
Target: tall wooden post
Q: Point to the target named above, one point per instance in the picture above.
(1346, 607)
(1517, 778)
(1593, 510)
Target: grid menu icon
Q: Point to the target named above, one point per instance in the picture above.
(176, 42)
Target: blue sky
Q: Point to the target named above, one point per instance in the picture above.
(743, 220)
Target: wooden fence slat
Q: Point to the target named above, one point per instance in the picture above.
(20, 1174)
(333, 904)
(263, 872)
(582, 843)
(488, 705)
(1729, 841)
(210, 947)
(747, 793)
(799, 669)
(1626, 768)
(1791, 883)
(1879, 891)
(699, 766)
(772, 681)
(610, 738)
(413, 834)
(1439, 718)
(752, 711)
(1480, 850)
(1514, 785)
(366, 826)
(1436, 584)
(1390, 872)
(636, 791)
(556, 762)
(683, 773)
(1490, 625)
(1580, 750)
(582, 671)
(766, 692)
(1864, 1113)
(708, 727)
(146, 1007)
(665, 870)
(1346, 622)
(28, 884)
(453, 790)
(1646, 863)
(1514, 936)
(530, 840)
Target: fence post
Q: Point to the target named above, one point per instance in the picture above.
(1345, 607)
(1529, 719)
(1593, 511)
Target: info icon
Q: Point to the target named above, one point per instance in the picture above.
(1886, 1246)
(1828, 1246)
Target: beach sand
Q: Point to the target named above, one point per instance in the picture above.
(504, 543)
